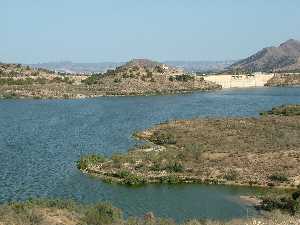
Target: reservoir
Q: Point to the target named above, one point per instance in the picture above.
(40, 141)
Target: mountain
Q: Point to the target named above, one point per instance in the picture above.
(189, 66)
(70, 67)
(285, 57)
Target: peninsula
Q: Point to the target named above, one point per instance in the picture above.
(260, 151)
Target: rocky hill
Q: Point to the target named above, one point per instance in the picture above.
(18, 81)
(285, 57)
(146, 77)
(137, 77)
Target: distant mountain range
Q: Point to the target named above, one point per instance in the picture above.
(71, 67)
(189, 66)
(285, 57)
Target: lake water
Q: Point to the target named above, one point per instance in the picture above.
(40, 140)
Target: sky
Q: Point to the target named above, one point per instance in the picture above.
(33, 31)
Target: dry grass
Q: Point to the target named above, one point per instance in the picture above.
(261, 151)
(62, 213)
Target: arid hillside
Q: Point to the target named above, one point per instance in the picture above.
(137, 77)
(146, 77)
(285, 57)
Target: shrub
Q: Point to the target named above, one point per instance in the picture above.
(156, 167)
(296, 195)
(171, 78)
(102, 214)
(231, 175)
(171, 179)
(10, 95)
(282, 203)
(279, 177)
(162, 138)
(175, 167)
(91, 80)
(87, 160)
(130, 178)
(184, 77)
(159, 69)
(11, 81)
(117, 80)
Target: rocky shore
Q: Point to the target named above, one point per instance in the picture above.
(262, 151)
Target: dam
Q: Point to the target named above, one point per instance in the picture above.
(240, 81)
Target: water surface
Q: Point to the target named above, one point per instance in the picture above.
(41, 139)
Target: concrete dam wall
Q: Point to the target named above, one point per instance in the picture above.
(239, 81)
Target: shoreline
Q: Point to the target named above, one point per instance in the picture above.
(82, 96)
(171, 153)
(14, 97)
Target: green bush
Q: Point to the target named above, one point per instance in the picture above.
(184, 78)
(91, 80)
(283, 203)
(130, 178)
(175, 167)
(163, 138)
(171, 179)
(279, 177)
(11, 81)
(87, 160)
(171, 78)
(103, 214)
(231, 175)
(117, 80)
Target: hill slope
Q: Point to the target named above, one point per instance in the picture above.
(143, 77)
(137, 77)
(285, 57)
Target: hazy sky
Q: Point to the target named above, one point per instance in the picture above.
(117, 30)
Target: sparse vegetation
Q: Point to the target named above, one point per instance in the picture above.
(137, 77)
(218, 151)
(284, 110)
(87, 160)
(279, 177)
(287, 202)
(163, 138)
(65, 212)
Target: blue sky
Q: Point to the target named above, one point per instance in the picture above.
(34, 31)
